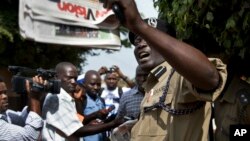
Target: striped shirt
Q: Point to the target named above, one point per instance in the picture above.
(20, 126)
(61, 121)
(130, 103)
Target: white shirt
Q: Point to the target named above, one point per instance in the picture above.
(59, 112)
(110, 96)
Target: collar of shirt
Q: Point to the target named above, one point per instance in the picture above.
(65, 95)
(106, 91)
(97, 98)
(134, 91)
(157, 74)
(4, 116)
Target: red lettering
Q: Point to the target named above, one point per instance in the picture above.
(101, 13)
(80, 11)
(61, 6)
(71, 8)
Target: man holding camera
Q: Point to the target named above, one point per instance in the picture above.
(59, 110)
(25, 125)
(112, 92)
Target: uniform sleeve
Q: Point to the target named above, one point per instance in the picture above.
(212, 96)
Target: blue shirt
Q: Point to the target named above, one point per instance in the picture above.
(93, 106)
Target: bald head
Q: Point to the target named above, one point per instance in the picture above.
(67, 73)
(62, 66)
(92, 83)
(90, 73)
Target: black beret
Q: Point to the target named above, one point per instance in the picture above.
(156, 23)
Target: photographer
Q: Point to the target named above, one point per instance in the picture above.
(112, 92)
(115, 69)
(25, 125)
(59, 110)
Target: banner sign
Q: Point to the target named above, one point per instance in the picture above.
(82, 23)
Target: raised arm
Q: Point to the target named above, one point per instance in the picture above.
(187, 60)
(33, 123)
(125, 78)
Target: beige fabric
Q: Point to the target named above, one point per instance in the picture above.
(159, 125)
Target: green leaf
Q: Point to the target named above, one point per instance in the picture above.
(207, 26)
(210, 16)
(238, 43)
(246, 21)
(190, 1)
(5, 33)
(230, 23)
(227, 43)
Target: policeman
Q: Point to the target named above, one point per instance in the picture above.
(233, 106)
(181, 81)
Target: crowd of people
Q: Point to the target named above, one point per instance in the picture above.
(176, 89)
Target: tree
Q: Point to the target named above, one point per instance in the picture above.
(211, 25)
(16, 51)
(226, 23)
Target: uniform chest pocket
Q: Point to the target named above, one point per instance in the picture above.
(156, 121)
(153, 123)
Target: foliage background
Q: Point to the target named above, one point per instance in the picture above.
(213, 26)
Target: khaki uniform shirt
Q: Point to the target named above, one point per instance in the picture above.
(232, 108)
(159, 125)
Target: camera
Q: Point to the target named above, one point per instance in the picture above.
(112, 69)
(21, 74)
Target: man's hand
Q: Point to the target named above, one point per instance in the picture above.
(117, 70)
(118, 121)
(35, 88)
(103, 70)
(132, 17)
(34, 94)
(95, 122)
(130, 83)
(102, 114)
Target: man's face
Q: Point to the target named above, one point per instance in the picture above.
(68, 79)
(147, 57)
(93, 85)
(111, 80)
(3, 97)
